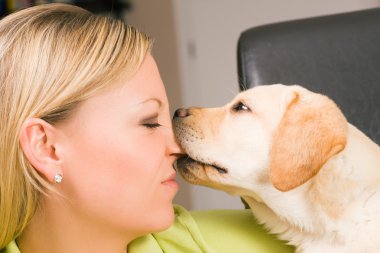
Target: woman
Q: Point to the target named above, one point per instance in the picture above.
(86, 145)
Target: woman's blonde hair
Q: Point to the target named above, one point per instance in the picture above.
(52, 57)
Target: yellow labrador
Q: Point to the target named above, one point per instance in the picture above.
(307, 174)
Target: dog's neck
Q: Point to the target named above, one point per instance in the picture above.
(347, 180)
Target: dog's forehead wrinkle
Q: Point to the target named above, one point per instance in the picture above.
(264, 105)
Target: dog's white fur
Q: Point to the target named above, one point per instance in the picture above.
(307, 174)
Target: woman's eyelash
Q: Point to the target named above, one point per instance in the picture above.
(151, 125)
(151, 122)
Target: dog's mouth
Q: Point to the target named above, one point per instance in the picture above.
(186, 161)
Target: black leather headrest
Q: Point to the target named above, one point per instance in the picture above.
(337, 55)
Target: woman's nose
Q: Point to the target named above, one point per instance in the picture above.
(173, 147)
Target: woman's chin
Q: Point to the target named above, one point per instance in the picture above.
(165, 219)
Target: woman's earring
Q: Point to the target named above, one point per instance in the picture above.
(58, 178)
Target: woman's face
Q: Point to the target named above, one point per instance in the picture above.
(117, 152)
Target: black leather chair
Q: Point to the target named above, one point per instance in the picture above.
(337, 55)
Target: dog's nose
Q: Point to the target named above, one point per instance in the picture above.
(181, 113)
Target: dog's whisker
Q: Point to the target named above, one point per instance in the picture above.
(242, 83)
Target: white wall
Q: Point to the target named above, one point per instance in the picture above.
(208, 31)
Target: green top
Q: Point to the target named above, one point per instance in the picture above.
(214, 231)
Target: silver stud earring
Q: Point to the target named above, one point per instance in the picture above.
(58, 178)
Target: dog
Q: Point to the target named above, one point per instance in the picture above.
(307, 174)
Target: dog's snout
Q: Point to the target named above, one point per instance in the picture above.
(181, 113)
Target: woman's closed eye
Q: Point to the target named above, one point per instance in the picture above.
(151, 125)
(151, 122)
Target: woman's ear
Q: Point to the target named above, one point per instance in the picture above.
(37, 139)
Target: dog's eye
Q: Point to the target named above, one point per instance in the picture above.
(240, 107)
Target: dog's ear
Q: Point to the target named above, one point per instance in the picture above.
(312, 130)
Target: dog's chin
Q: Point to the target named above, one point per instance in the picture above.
(196, 172)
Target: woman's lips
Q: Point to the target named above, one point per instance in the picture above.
(171, 181)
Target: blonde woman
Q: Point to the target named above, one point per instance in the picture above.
(86, 144)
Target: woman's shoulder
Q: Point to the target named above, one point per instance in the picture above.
(183, 236)
(11, 248)
(212, 231)
(237, 231)
(208, 231)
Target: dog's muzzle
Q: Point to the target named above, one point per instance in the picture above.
(186, 162)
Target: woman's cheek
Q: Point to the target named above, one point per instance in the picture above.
(152, 150)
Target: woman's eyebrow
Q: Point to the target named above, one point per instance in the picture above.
(159, 102)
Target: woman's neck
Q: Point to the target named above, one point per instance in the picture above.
(55, 228)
